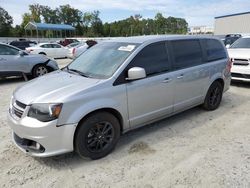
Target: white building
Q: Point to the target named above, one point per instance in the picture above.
(234, 23)
(200, 30)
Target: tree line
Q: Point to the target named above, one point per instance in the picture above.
(89, 24)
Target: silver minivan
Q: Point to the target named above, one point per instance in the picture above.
(114, 87)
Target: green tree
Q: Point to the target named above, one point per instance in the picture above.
(96, 24)
(35, 12)
(5, 22)
(49, 15)
(69, 15)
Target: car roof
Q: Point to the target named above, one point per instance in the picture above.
(154, 38)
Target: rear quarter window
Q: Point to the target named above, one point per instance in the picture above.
(214, 50)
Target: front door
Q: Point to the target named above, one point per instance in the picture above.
(152, 97)
(10, 60)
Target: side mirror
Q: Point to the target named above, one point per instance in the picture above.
(228, 46)
(136, 73)
(22, 53)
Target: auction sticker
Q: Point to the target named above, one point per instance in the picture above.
(127, 48)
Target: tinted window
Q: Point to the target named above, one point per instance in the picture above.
(55, 46)
(153, 58)
(187, 53)
(214, 50)
(46, 46)
(230, 40)
(6, 50)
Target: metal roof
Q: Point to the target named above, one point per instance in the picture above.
(229, 15)
(45, 26)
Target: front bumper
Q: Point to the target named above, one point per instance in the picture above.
(51, 139)
(52, 64)
(241, 73)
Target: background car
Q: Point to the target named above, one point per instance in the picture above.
(239, 51)
(70, 48)
(79, 49)
(15, 62)
(231, 38)
(53, 50)
(66, 42)
(22, 44)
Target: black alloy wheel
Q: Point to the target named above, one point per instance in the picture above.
(214, 96)
(97, 135)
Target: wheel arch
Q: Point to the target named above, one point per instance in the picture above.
(109, 110)
(42, 53)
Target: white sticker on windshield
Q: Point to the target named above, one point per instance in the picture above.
(127, 48)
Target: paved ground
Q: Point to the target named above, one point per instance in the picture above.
(193, 149)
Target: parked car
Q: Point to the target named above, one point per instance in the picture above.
(66, 42)
(114, 87)
(15, 62)
(79, 49)
(231, 38)
(53, 50)
(23, 44)
(239, 51)
(70, 48)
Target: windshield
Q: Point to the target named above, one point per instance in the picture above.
(102, 60)
(241, 43)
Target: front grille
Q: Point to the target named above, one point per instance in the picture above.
(238, 75)
(18, 108)
(17, 112)
(242, 62)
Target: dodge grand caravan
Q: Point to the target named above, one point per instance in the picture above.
(114, 87)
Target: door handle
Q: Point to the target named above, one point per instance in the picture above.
(180, 77)
(167, 80)
(2, 59)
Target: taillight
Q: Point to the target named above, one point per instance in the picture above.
(74, 51)
(229, 64)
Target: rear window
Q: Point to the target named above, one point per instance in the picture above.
(214, 50)
(187, 53)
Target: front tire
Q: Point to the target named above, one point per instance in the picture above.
(97, 136)
(39, 70)
(214, 96)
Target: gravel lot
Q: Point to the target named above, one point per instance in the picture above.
(193, 149)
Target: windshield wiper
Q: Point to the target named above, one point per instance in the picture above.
(78, 72)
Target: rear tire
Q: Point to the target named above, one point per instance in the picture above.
(213, 97)
(39, 70)
(97, 136)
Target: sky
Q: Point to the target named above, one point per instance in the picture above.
(196, 12)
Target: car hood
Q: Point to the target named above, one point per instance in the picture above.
(53, 87)
(239, 53)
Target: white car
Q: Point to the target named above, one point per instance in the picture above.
(79, 49)
(53, 50)
(70, 48)
(239, 51)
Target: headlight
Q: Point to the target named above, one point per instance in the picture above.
(45, 112)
